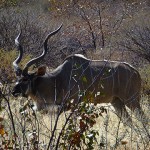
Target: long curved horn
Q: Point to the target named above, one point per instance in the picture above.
(34, 60)
(17, 69)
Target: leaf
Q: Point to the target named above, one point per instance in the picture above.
(102, 145)
(2, 130)
(90, 135)
(124, 142)
(10, 147)
(84, 79)
(1, 119)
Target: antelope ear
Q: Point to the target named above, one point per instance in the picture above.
(41, 71)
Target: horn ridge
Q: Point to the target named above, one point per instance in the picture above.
(34, 60)
(17, 69)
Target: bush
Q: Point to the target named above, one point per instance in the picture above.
(145, 75)
(136, 39)
(6, 70)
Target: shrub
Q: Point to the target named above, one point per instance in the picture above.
(6, 70)
(145, 75)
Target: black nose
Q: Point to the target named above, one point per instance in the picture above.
(0, 93)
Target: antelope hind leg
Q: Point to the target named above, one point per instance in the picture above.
(121, 111)
(135, 107)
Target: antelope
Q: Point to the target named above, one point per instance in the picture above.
(100, 81)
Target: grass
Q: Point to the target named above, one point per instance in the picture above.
(33, 126)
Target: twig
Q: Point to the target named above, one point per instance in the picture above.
(12, 120)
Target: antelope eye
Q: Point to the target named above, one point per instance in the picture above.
(25, 79)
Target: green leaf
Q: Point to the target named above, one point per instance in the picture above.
(84, 79)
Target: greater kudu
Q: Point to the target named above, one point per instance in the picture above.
(100, 81)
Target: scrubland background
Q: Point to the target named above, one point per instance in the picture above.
(99, 29)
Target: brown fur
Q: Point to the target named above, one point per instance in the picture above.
(98, 81)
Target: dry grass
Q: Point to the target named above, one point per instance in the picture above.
(112, 133)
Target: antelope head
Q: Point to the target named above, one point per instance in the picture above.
(24, 78)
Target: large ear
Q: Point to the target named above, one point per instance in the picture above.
(41, 71)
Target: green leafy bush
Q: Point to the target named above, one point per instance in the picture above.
(80, 132)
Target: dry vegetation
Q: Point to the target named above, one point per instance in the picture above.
(114, 30)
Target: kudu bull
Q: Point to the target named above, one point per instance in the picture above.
(99, 81)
